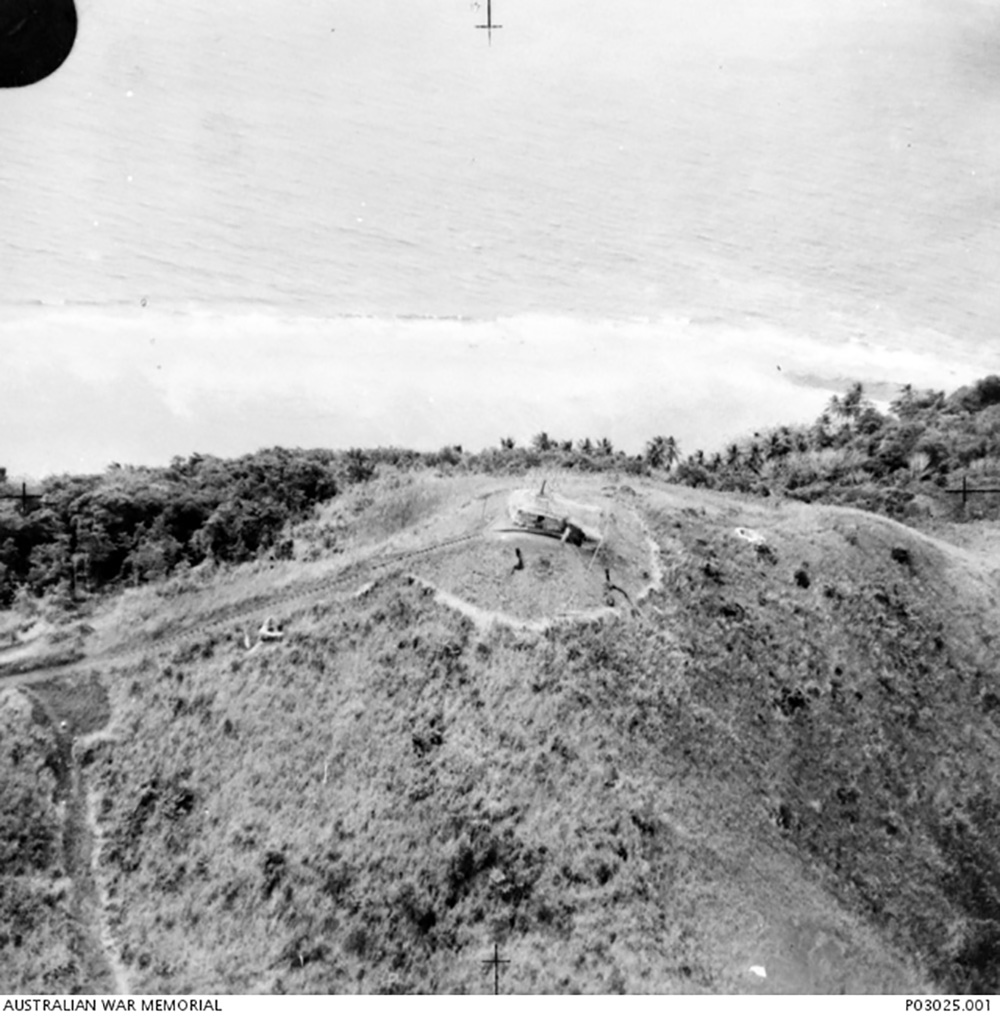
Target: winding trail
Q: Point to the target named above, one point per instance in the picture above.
(82, 847)
(346, 583)
(484, 618)
(90, 941)
(94, 941)
(83, 839)
(101, 927)
(140, 647)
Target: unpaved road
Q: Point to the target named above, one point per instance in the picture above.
(94, 941)
(344, 583)
(82, 834)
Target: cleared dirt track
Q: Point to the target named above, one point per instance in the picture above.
(342, 583)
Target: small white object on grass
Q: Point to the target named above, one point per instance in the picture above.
(758, 970)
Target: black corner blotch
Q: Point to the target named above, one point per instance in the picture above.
(36, 37)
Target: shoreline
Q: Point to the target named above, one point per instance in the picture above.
(85, 387)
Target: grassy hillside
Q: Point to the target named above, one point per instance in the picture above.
(786, 756)
(74, 538)
(45, 940)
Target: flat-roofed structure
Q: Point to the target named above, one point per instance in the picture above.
(553, 515)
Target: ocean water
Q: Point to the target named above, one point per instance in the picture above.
(822, 171)
(787, 158)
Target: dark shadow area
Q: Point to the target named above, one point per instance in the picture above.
(36, 36)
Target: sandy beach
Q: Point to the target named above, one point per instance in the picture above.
(360, 226)
(84, 387)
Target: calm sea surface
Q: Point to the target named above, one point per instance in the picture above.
(831, 166)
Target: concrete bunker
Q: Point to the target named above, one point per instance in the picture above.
(556, 516)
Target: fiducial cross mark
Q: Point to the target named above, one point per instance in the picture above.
(494, 962)
(24, 498)
(489, 26)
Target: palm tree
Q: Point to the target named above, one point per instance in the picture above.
(662, 452)
(541, 442)
(854, 401)
(656, 451)
(819, 433)
(850, 406)
(605, 448)
(902, 405)
(507, 443)
(586, 446)
(671, 453)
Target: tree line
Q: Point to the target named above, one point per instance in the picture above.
(137, 523)
(899, 462)
(133, 524)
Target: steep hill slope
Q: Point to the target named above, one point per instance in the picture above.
(779, 750)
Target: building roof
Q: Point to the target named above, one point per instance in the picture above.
(523, 504)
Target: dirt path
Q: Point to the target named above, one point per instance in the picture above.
(343, 584)
(76, 731)
(617, 600)
(93, 940)
(79, 855)
(484, 619)
(82, 843)
(100, 925)
(82, 836)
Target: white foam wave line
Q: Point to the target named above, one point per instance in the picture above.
(143, 385)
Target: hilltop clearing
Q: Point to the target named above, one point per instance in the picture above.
(773, 744)
(74, 537)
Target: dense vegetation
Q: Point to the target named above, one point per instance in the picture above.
(897, 463)
(789, 755)
(137, 523)
(132, 524)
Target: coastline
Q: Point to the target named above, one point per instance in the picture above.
(85, 386)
